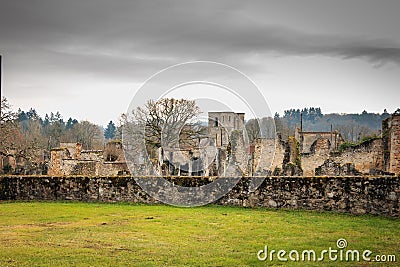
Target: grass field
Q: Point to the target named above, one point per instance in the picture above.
(94, 234)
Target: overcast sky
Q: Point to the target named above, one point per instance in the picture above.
(87, 58)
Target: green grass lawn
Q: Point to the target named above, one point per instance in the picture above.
(93, 234)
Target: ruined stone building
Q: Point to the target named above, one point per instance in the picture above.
(209, 155)
(17, 164)
(224, 152)
(326, 153)
(311, 141)
(70, 159)
(222, 124)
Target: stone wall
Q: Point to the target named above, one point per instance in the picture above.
(308, 140)
(56, 164)
(391, 137)
(70, 159)
(356, 195)
(312, 161)
(272, 152)
(380, 155)
(332, 168)
(221, 125)
(366, 158)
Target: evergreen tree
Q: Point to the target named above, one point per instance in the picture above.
(22, 116)
(32, 114)
(109, 132)
(70, 123)
(46, 120)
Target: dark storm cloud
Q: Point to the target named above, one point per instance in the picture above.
(107, 36)
(374, 54)
(54, 48)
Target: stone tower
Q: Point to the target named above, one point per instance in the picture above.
(221, 125)
(391, 138)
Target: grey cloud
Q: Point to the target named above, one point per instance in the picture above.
(143, 36)
(375, 54)
(49, 46)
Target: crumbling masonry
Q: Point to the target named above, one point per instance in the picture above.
(320, 153)
(225, 153)
(70, 159)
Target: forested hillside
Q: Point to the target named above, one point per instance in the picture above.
(353, 127)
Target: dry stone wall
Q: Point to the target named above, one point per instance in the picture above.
(356, 195)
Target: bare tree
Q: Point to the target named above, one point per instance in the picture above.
(8, 128)
(253, 130)
(87, 133)
(267, 127)
(33, 142)
(19, 141)
(283, 128)
(353, 132)
(168, 121)
(135, 151)
(7, 123)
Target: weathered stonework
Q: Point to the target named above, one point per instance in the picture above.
(378, 155)
(268, 155)
(70, 159)
(225, 146)
(356, 195)
(312, 141)
(391, 137)
(332, 168)
(221, 125)
(366, 158)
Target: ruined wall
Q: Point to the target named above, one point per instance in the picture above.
(288, 160)
(320, 152)
(272, 151)
(357, 195)
(83, 168)
(56, 165)
(93, 155)
(240, 153)
(332, 168)
(379, 155)
(366, 158)
(312, 161)
(391, 136)
(113, 168)
(308, 140)
(221, 125)
(74, 149)
(70, 159)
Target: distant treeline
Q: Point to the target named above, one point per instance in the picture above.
(49, 131)
(353, 127)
